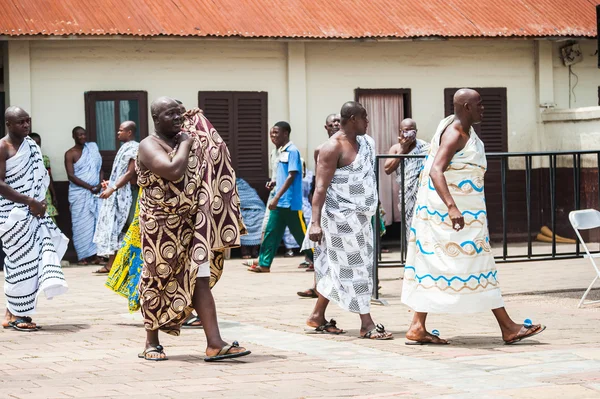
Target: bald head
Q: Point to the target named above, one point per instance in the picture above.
(14, 113)
(408, 124)
(350, 109)
(18, 122)
(160, 104)
(127, 131)
(464, 96)
(354, 118)
(468, 106)
(166, 114)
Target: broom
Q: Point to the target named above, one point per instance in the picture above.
(545, 235)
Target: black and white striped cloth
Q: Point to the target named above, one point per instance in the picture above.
(33, 246)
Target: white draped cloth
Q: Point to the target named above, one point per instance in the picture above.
(448, 271)
(115, 209)
(34, 246)
(344, 259)
(84, 205)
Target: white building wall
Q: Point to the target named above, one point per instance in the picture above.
(61, 71)
(335, 69)
(584, 81)
(573, 129)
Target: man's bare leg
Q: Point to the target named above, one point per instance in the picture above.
(204, 303)
(317, 317)
(510, 330)
(105, 268)
(418, 332)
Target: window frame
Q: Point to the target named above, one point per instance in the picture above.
(90, 99)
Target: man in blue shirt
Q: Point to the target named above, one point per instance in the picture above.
(286, 206)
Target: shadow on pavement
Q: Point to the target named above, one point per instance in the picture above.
(490, 342)
(64, 328)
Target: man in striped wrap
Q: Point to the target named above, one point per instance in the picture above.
(33, 244)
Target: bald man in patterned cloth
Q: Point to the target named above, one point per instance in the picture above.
(450, 267)
(188, 189)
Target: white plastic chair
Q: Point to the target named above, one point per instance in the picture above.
(584, 220)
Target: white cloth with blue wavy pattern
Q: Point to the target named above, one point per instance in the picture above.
(448, 271)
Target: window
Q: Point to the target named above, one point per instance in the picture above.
(105, 111)
(241, 120)
(386, 108)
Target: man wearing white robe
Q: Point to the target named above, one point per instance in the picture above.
(344, 201)
(450, 267)
(33, 244)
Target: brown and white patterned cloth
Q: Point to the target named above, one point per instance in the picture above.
(186, 225)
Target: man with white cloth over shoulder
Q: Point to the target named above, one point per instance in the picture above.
(344, 202)
(33, 244)
(450, 267)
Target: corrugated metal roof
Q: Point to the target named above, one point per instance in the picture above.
(317, 19)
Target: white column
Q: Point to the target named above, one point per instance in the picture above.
(544, 84)
(19, 75)
(297, 96)
(544, 72)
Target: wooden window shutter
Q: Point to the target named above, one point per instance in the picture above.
(241, 120)
(493, 130)
(218, 108)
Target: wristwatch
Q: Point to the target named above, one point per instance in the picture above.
(114, 187)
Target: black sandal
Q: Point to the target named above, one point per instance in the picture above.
(379, 329)
(189, 323)
(224, 353)
(323, 329)
(153, 349)
(309, 293)
(22, 320)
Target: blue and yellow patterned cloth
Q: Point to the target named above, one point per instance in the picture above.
(125, 273)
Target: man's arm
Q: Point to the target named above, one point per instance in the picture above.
(122, 181)
(391, 164)
(286, 185)
(36, 207)
(326, 166)
(314, 179)
(71, 172)
(156, 159)
(450, 143)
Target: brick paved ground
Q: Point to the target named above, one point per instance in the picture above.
(89, 344)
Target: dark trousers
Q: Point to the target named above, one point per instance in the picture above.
(279, 219)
